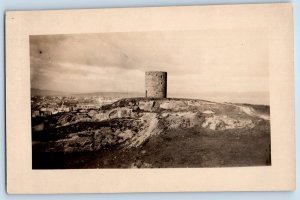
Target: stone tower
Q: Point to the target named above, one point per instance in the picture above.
(156, 84)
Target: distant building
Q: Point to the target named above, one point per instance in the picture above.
(156, 84)
(35, 113)
(45, 113)
(66, 109)
(86, 106)
(50, 110)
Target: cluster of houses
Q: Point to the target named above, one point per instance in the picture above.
(45, 106)
(46, 111)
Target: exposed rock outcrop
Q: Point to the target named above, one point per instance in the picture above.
(129, 123)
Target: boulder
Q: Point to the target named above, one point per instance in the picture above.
(123, 113)
(101, 116)
(224, 122)
(113, 114)
(208, 112)
(125, 135)
(38, 127)
(135, 108)
(91, 113)
(147, 106)
(173, 105)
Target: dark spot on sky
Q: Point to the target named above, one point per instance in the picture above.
(40, 52)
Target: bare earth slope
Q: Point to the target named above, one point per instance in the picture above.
(152, 133)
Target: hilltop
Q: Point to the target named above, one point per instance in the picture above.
(143, 132)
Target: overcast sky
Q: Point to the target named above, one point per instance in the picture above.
(223, 63)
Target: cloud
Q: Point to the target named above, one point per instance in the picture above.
(200, 60)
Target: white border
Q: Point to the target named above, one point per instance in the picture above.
(275, 18)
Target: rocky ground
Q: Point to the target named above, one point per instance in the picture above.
(151, 133)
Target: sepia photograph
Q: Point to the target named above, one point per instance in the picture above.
(150, 99)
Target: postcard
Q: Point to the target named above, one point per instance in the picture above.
(158, 99)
